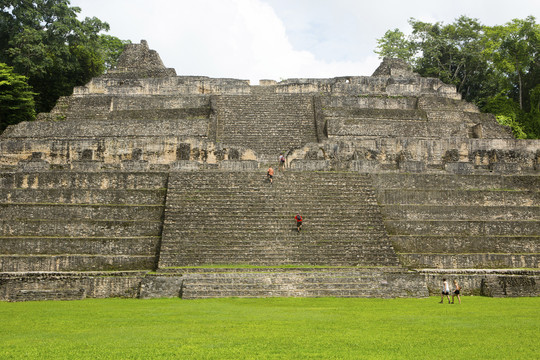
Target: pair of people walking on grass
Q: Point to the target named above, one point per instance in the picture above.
(446, 291)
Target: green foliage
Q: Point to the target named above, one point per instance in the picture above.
(278, 328)
(44, 41)
(111, 48)
(16, 98)
(394, 44)
(513, 124)
(485, 63)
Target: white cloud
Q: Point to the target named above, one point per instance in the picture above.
(228, 38)
(277, 39)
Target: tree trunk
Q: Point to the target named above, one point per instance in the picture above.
(520, 91)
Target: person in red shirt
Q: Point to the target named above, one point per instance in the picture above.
(270, 174)
(298, 219)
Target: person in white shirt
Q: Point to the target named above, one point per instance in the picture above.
(445, 291)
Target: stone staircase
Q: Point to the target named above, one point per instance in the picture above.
(266, 123)
(216, 217)
(68, 221)
(300, 282)
(462, 221)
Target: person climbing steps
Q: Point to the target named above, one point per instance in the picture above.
(298, 219)
(270, 174)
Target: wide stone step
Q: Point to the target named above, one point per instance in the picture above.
(216, 177)
(465, 244)
(80, 262)
(352, 258)
(78, 211)
(360, 261)
(272, 192)
(463, 227)
(456, 182)
(186, 113)
(468, 261)
(375, 240)
(383, 114)
(48, 295)
(84, 180)
(346, 283)
(460, 197)
(92, 246)
(89, 125)
(276, 240)
(263, 293)
(79, 228)
(347, 257)
(470, 212)
(277, 224)
(291, 253)
(83, 196)
(216, 219)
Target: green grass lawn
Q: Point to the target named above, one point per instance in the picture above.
(275, 328)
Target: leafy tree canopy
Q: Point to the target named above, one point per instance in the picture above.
(496, 67)
(44, 41)
(16, 98)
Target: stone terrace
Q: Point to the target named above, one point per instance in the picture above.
(68, 221)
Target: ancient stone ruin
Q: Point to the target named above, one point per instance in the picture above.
(148, 184)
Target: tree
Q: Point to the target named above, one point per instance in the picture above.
(16, 98)
(394, 44)
(452, 53)
(492, 67)
(111, 48)
(516, 54)
(44, 41)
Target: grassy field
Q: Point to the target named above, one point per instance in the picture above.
(294, 328)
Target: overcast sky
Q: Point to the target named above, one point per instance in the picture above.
(280, 39)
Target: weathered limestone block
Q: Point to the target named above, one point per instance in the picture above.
(365, 166)
(185, 165)
(35, 163)
(468, 261)
(504, 285)
(235, 165)
(161, 286)
(394, 67)
(411, 166)
(69, 286)
(310, 165)
(458, 167)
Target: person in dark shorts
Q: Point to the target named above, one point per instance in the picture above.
(298, 219)
(445, 291)
(270, 174)
(456, 292)
(281, 165)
